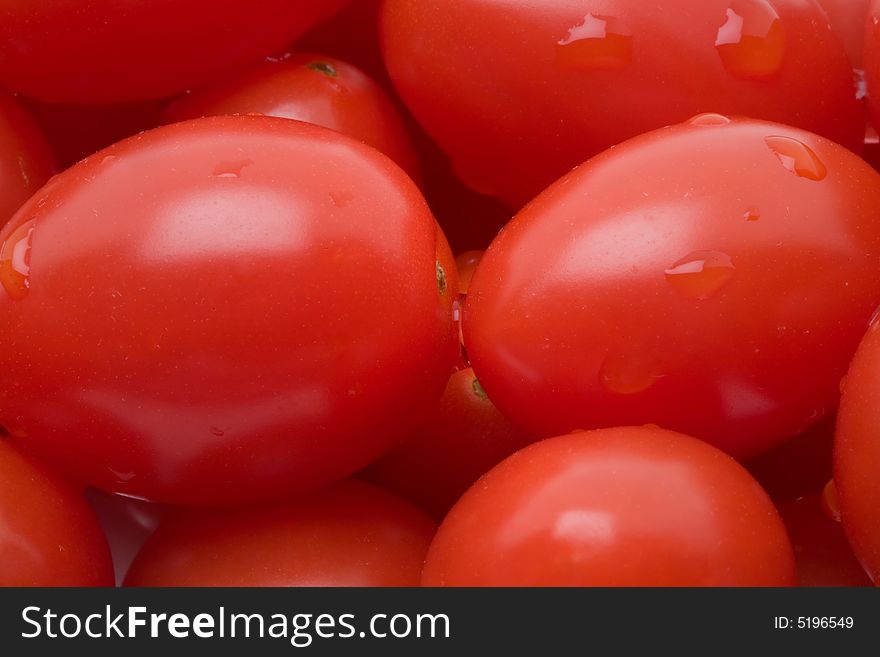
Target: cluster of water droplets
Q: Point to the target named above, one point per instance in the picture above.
(750, 41)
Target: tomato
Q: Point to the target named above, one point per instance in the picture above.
(127, 523)
(312, 88)
(848, 18)
(857, 453)
(460, 440)
(800, 465)
(350, 534)
(107, 51)
(519, 92)
(48, 534)
(617, 507)
(823, 556)
(25, 158)
(712, 278)
(227, 309)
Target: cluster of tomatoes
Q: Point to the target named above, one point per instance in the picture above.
(236, 346)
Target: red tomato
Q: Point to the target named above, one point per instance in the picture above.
(848, 18)
(633, 506)
(712, 278)
(48, 534)
(225, 309)
(519, 92)
(463, 437)
(351, 534)
(106, 51)
(127, 522)
(823, 556)
(312, 88)
(800, 465)
(25, 158)
(857, 453)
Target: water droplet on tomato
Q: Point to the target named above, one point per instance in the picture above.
(831, 501)
(874, 321)
(456, 307)
(751, 42)
(108, 159)
(629, 373)
(701, 274)
(709, 120)
(599, 43)
(341, 199)
(797, 157)
(231, 169)
(122, 477)
(15, 261)
(752, 214)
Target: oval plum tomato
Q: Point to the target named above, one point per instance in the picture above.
(350, 534)
(108, 51)
(25, 158)
(632, 506)
(312, 88)
(857, 453)
(48, 534)
(460, 440)
(822, 554)
(200, 314)
(519, 92)
(712, 278)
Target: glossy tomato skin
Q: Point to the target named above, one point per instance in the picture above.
(48, 534)
(822, 553)
(202, 315)
(848, 19)
(631, 506)
(459, 441)
(467, 264)
(312, 88)
(857, 453)
(350, 534)
(107, 51)
(26, 160)
(518, 92)
(712, 278)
